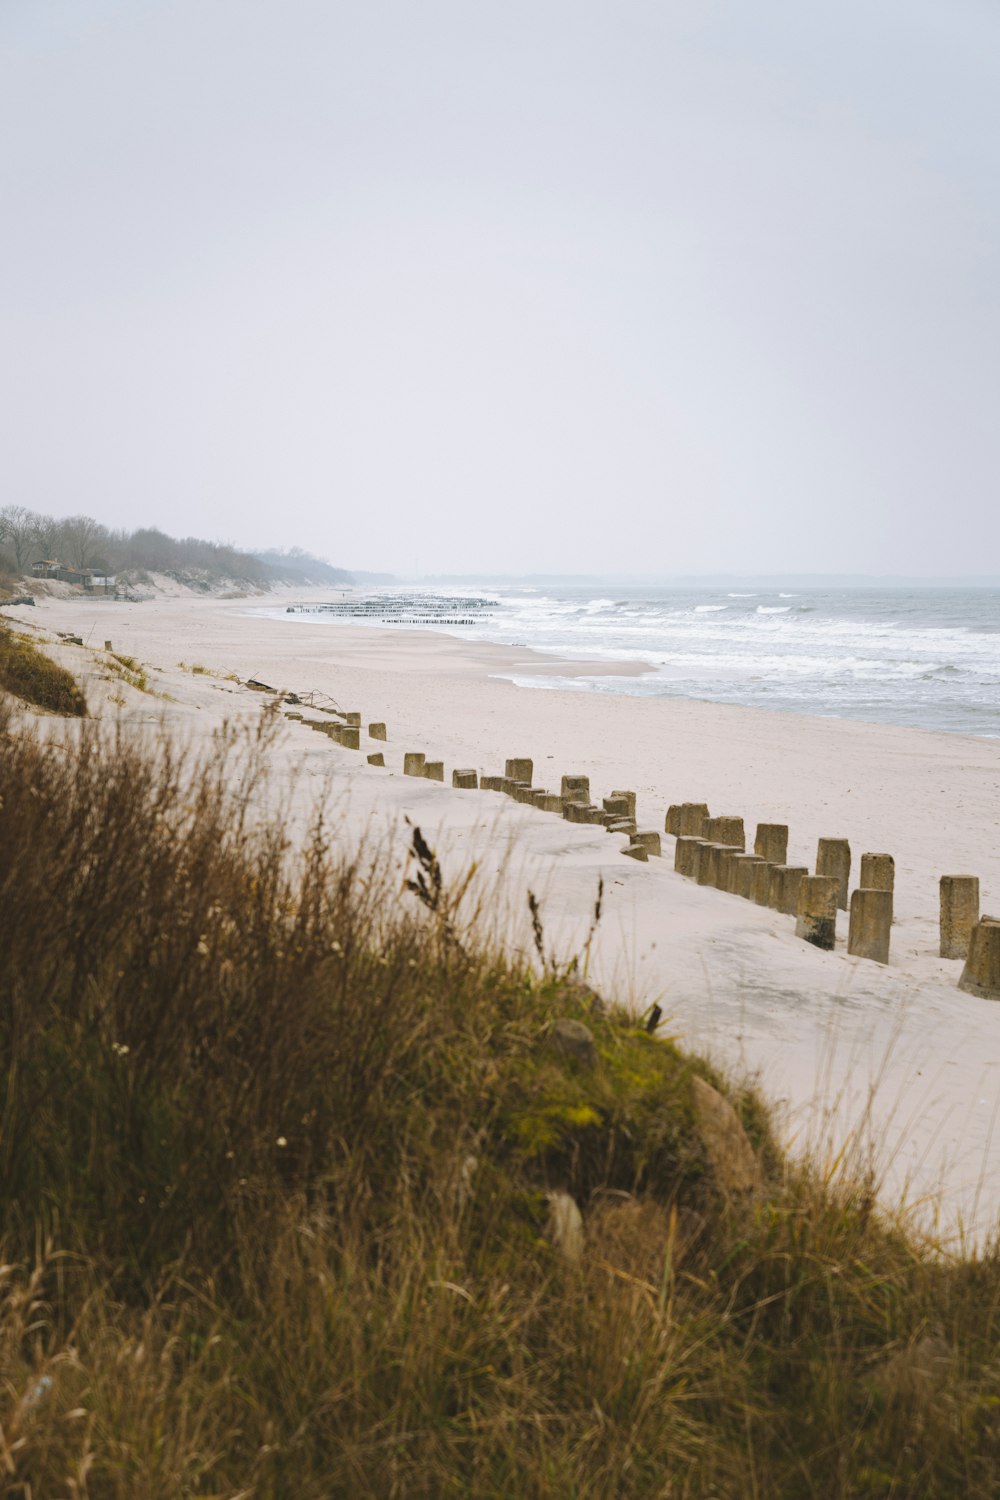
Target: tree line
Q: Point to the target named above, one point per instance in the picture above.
(80, 541)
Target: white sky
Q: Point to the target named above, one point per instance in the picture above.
(539, 285)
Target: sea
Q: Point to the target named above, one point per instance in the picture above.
(927, 657)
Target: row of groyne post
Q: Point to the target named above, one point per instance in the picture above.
(712, 851)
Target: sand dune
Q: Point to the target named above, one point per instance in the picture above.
(895, 1055)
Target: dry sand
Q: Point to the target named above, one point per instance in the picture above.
(894, 1058)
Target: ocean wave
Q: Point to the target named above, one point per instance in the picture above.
(709, 609)
(774, 609)
(741, 596)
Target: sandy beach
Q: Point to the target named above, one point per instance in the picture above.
(894, 1058)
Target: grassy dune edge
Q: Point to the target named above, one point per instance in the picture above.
(307, 1190)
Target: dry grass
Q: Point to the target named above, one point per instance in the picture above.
(275, 1143)
(28, 673)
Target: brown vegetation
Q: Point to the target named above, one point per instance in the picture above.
(276, 1139)
(28, 673)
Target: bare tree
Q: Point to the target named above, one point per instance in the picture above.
(16, 529)
(82, 534)
(45, 535)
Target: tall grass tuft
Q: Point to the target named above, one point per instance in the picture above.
(276, 1139)
(28, 673)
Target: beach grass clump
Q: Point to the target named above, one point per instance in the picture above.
(128, 670)
(279, 1144)
(29, 674)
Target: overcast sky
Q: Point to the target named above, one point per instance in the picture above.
(696, 285)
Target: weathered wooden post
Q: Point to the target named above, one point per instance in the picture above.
(629, 802)
(833, 858)
(520, 769)
(981, 975)
(413, 763)
(376, 758)
(576, 787)
(467, 780)
(708, 863)
(434, 770)
(870, 925)
(350, 737)
(959, 913)
(377, 732)
(816, 920)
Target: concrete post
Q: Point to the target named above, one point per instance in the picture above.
(468, 780)
(760, 883)
(783, 893)
(870, 924)
(637, 851)
(708, 864)
(576, 787)
(743, 874)
(434, 770)
(649, 841)
(350, 737)
(833, 858)
(878, 872)
(959, 913)
(726, 874)
(726, 830)
(686, 854)
(672, 823)
(549, 802)
(816, 920)
(376, 758)
(491, 783)
(377, 732)
(621, 825)
(694, 816)
(981, 975)
(629, 801)
(573, 805)
(618, 803)
(520, 770)
(413, 763)
(771, 842)
(523, 792)
(353, 720)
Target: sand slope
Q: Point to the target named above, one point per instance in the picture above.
(895, 1054)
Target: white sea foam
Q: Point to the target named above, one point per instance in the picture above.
(927, 657)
